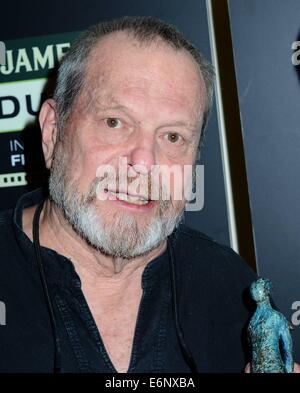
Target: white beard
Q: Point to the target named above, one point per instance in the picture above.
(120, 237)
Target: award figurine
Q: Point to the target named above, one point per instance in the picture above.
(269, 334)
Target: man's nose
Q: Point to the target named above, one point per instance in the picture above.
(142, 157)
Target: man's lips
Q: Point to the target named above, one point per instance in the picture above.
(134, 203)
(135, 199)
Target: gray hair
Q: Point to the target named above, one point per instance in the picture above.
(145, 29)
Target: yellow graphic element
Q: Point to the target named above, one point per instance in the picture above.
(13, 179)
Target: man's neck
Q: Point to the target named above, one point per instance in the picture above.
(56, 233)
(111, 286)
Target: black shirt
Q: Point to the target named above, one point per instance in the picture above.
(212, 283)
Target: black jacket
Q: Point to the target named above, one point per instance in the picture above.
(212, 289)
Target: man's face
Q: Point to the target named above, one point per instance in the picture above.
(140, 103)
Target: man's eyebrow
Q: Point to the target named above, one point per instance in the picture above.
(193, 128)
(104, 101)
(113, 106)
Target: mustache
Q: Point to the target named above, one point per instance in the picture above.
(105, 182)
(131, 185)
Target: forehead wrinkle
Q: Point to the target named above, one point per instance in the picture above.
(136, 92)
(99, 89)
(106, 101)
(149, 79)
(113, 48)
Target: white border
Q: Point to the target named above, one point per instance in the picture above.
(222, 133)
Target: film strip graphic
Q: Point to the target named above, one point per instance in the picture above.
(13, 179)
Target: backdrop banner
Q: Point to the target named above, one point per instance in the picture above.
(266, 43)
(26, 79)
(23, 83)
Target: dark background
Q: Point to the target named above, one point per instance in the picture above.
(35, 18)
(269, 98)
(261, 96)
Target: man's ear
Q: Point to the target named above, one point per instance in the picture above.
(49, 127)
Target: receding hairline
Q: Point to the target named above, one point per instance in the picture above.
(156, 41)
(146, 31)
(142, 42)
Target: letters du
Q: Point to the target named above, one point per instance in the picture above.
(2, 53)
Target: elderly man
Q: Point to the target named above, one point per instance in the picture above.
(102, 279)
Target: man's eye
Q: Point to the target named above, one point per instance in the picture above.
(113, 122)
(174, 137)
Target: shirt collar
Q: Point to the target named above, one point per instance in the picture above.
(60, 267)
